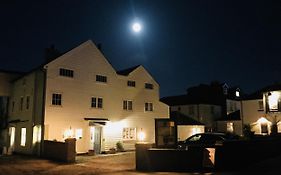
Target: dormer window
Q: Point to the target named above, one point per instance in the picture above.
(237, 93)
(66, 72)
(148, 86)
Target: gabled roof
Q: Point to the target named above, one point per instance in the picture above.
(191, 99)
(182, 119)
(232, 116)
(259, 94)
(126, 72)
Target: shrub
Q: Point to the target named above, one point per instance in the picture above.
(119, 147)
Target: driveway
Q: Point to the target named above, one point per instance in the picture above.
(111, 164)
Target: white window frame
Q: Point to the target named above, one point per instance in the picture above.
(129, 133)
(149, 107)
(96, 102)
(56, 100)
(128, 105)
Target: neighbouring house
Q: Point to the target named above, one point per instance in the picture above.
(206, 103)
(5, 92)
(80, 95)
(262, 110)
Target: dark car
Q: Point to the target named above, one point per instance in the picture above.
(206, 140)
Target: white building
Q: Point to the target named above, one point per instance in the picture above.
(79, 94)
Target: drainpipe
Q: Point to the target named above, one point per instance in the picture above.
(44, 70)
(242, 115)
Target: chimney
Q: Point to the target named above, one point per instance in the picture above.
(51, 53)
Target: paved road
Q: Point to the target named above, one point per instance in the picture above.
(117, 164)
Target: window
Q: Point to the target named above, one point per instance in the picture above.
(131, 83)
(13, 106)
(264, 128)
(56, 99)
(212, 110)
(66, 72)
(229, 127)
(101, 78)
(148, 86)
(237, 93)
(23, 137)
(78, 133)
(96, 102)
(273, 100)
(260, 103)
(148, 107)
(27, 102)
(191, 110)
(21, 103)
(128, 105)
(129, 133)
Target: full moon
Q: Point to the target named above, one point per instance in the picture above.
(136, 27)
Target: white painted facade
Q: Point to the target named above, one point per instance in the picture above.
(68, 119)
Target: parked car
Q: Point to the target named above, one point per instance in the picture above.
(206, 140)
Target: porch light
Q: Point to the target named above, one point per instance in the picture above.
(262, 120)
(141, 135)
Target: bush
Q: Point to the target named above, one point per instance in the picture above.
(119, 147)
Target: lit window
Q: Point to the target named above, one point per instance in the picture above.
(56, 99)
(148, 86)
(23, 137)
(131, 83)
(36, 134)
(79, 133)
(148, 107)
(96, 102)
(229, 127)
(129, 133)
(66, 73)
(273, 99)
(12, 132)
(237, 93)
(128, 105)
(101, 78)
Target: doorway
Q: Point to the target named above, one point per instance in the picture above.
(95, 136)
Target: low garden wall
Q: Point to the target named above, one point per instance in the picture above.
(60, 151)
(232, 155)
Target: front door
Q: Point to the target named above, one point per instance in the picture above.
(96, 139)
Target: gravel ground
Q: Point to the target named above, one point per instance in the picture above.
(112, 164)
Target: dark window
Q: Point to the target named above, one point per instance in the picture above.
(191, 110)
(101, 78)
(128, 105)
(260, 103)
(13, 106)
(27, 102)
(21, 103)
(100, 102)
(131, 83)
(97, 102)
(212, 109)
(148, 86)
(56, 99)
(264, 128)
(94, 102)
(148, 107)
(66, 72)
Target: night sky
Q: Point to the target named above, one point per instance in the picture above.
(182, 44)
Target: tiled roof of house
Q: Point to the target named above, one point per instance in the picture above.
(127, 71)
(182, 119)
(232, 116)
